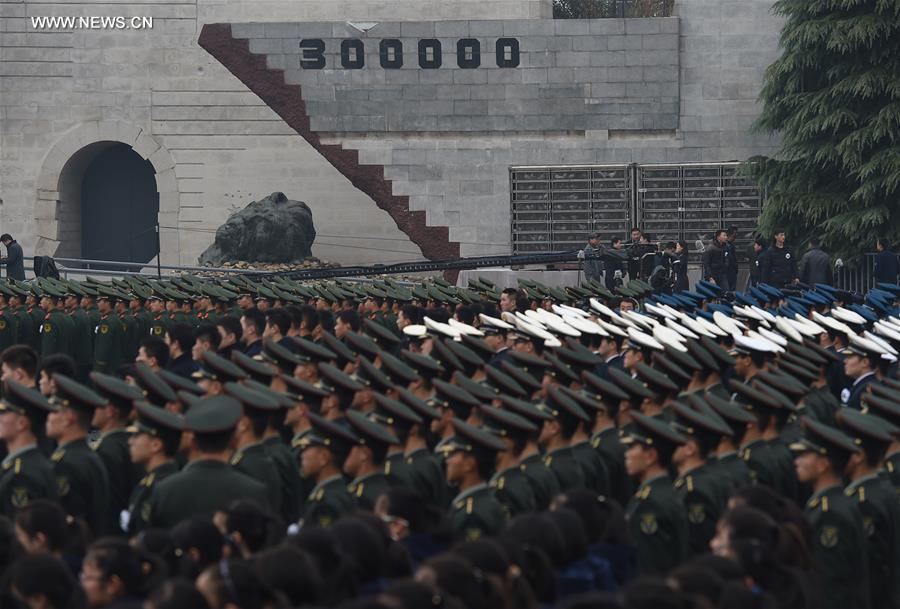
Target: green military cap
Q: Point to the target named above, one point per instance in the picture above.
(683, 359)
(216, 368)
(867, 430)
(505, 423)
(804, 374)
(281, 356)
(601, 389)
(692, 422)
(339, 348)
(179, 383)
(632, 386)
(823, 439)
(396, 370)
(723, 357)
(360, 344)
(784, 401)
(528, 382)
(5, 291)
(651, 431)
(312, 351)
(141, 292)
(884, 407)
(698, 402)
(251, 399)
(380, 334)
(586, 401)
(116, 391)
(469, 359)
(336, 438)
(372, 377)
(393, 412)
(303, 391)
(701, 355)
(578, 359)
(533, 365)
(477, 345)
(804, 354)
(654, 379)
(470, 439)
(754, 397)
(424, 365)
(811, 345)
(783, 382)
(369, 432)
(335, 381)
(284, 399)
(500, 382)
(256, 369)
(417, 404)
(666, 365)
(155, 389)
(212, 415)
(732, 413)
(559, 405)
(444, 356)
(451, 396)
(24, 401)
(480, 391)
(155, 421)
(560, 370)
(74, 395)
(525, 409)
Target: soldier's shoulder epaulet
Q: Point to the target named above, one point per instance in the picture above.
(17, 466)
(236, 457)
(818, 503)
(595, 442)
(643, 492)
(58, 455)
(356, 488)
(548, 459)
(499, 483)
(744, 454)
(859, 492)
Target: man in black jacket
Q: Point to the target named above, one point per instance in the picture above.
(778, 267)
(715, 264)
(815, 265)
(756, 257)
(14, 260)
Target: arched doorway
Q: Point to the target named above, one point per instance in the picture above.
(119, 207)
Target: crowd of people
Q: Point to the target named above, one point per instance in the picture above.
(228, 443)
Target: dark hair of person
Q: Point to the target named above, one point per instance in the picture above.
(214, 442)
(231, 325)
(420, 516)
(6, 237)
(156, 347)
(44, 574)
(114, 557)
(459, 578)
(736, 595)
(198, 544)
(794, 549)
(362, 545)
(280, 319)
(337, 570)
(209, 333)
(176, 593)
(256, 318)
(21, 357)
(351, 318)
(257, 527)
(309, 317)
(700, 584)
(614, 241)
(183, 335)
(412, 313)
(397, 562)
(466, 314)
(538, 531)
(653, 593)
(573, 532)
(408, 593)
(58, 363)
(236, 583)
(587, 505)
(491, 558)
(292, 572)
(158, 543)
(46, 517)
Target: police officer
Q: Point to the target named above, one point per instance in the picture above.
(324, 448)
(470, 455)
(656, 518)
(81, 476)
(26, 474)
(207, 483)
(860, 362)
(511, 487)
(839, 539)
(366, 460)
(154, 442)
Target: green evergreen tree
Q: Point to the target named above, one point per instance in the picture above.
(833, 98)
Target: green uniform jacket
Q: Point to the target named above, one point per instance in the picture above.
(68, 332)
(821, 404)
(368, 489)
(704, 496)
(27, 475)
(543, 482)
(658, 525)
(84, 338)
(130, 337)
(328, 501)
(568, 472)
(56, 334)
(596, 476)
(83, 484)
(253, 461)
(107, 343)
(771, 463)
(288, 475)
(476, 513)
(398, 471)
(306, 483)
(734, 468)
(142, 319)
(200, 489)
(37, 319)
(8, 326)
(428, 476)
(141, 500)
(839, 549)
(892, 470)
(158, 325)
(513, 491)
(24, 327)
(612, 451)
(880, 509)
(112, 448)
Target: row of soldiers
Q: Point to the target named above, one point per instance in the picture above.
(668, 410)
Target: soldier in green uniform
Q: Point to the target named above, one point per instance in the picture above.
(207, 483)
(131, 336)
(324, 448)
(32, 307)
(25, 333)
(544, 484)
(470, 456)
(426, 469)
(154, 442)
(365, 461)
(400, 420)
(703, 493)
(556, 436)
(725, 362)
(605, 434)
(83, 345)
(890, 411)
(158, 321)
(81, 476)
(111, 419)
(25, 474)
(8, 321)
(250, 456)
(839, 539)
(511, 487)
(726, 459)
(137, 308)
(107, 335)
(596, 475)
(656, 518)
(57, 328)
(877, 501)
(89, 306)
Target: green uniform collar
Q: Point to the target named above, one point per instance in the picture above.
(818, 496)
(470, 491)
(11, 457)
(325, 483)
(858, 483)
(366, 477)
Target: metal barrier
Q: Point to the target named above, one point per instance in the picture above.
(599, 9)
(125, 268)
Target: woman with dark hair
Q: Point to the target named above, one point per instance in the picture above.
(292, 572)
(582, 573)
(413, 523)
(459, 578)
(43, 526)
(251, 527)
(491, 558)
(680, 266)
(794, 548)
(176, 594)
(338, 574)
(112, 575)
(543, 552)
(234, 583)
(198, 544)
(361, 544)
(42, 581)
(751, 538)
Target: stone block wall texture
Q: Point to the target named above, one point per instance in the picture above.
(373, 155)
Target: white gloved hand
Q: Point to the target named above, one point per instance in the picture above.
(581, 254)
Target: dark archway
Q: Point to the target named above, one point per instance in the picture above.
(119, 207)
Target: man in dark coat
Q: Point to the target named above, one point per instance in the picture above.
(887, 266)
(14, 259)
(815, 265)
(779, 266)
